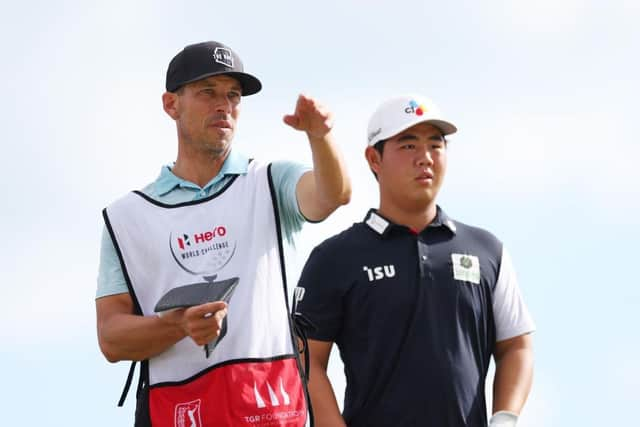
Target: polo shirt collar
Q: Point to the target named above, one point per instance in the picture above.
(383, 226)
(235, 164)
(443, 220)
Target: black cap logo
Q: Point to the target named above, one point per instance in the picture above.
(223, 56)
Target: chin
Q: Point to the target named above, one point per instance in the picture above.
(425, 199)
(216, 150)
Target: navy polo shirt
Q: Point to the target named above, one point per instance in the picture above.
(415, 317)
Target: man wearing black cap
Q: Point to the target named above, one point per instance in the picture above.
(416, 302)
(214, 215)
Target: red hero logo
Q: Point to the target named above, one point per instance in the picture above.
(207, 236)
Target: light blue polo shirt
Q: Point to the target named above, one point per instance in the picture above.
(170, 189)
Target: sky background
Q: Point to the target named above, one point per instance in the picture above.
(544, 93)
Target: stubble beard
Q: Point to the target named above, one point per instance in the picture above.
(217, 148)
(214, 153)
(211, 150)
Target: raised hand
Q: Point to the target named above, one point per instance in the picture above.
(311, 117)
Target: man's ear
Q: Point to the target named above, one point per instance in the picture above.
(170, 103)
(373, 158)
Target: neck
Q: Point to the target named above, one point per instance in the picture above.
(417, 218)
(198, 167)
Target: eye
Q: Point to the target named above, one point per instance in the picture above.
(437, 142)
(234, 96)
(408, 146)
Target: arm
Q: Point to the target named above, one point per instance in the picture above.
(327, 186)
(514, 373)
(513, 352)
(325, 406)
(123, 335)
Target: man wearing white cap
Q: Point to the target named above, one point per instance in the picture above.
(416, 302)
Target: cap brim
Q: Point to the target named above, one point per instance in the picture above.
(250, 84)
(445, 127)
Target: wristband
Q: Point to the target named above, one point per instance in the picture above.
(503, 419)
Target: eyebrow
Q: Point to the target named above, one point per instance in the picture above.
(407, 137)
(410, 136)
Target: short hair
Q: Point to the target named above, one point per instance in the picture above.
(379, 147)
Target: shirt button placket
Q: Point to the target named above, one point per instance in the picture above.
(423, 259)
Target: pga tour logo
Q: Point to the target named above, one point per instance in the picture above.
(188, 414)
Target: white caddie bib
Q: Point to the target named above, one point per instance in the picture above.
(252, 378)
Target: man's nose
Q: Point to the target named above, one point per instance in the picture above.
(223, 105)
(424, 157)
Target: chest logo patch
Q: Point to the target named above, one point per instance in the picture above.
(466, 268)
(203, 251)
(377, 273)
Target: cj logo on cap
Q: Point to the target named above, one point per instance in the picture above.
(223, 56)
(415, 108)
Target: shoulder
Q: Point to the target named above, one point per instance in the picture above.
(280, 170)
(287, 164)
(478, 237)
(255, 166)
(123, 202)
(283, 170)
(330, 267)
(483, 246)
(352, 240)
(258, 170)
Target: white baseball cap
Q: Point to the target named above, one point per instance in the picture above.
(400, 113)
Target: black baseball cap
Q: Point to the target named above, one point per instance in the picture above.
(201, 60)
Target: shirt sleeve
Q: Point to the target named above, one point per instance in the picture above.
(319, 296)
(110, 277)
(511, 315)
(285, 176)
